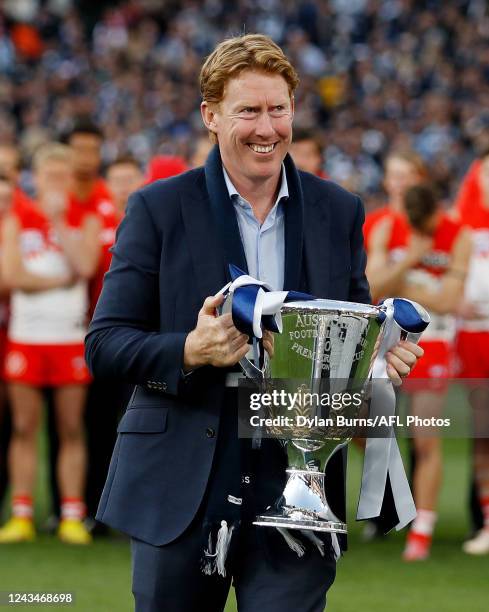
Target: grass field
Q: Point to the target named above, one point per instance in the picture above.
(370, 576)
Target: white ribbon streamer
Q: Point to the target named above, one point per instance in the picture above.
(382, 455)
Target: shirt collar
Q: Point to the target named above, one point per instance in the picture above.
(283, 191)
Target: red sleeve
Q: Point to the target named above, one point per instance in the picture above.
(469, 193)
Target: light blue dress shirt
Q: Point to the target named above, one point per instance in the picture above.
(264, 245)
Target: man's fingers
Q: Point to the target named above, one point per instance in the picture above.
(404, 355)
(393, 375)
(399, 365)
(239, 342)
(239, 354)
(226, 320)
(233, 334)
(412, 347)
(211, 303)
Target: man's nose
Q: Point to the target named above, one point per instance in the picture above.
(264, 126)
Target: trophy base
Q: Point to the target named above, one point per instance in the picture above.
(297, 523)
(302, 505)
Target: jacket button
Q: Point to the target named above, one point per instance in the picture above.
(209, 432)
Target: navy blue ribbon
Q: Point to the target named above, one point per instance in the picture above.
(408, 315)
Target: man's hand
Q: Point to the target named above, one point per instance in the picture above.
(215, 340)
(402, 359)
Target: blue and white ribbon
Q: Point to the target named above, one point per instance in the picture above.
(255, 306)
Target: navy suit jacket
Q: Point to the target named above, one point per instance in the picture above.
(172, 251)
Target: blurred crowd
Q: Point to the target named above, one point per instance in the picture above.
(374, 74)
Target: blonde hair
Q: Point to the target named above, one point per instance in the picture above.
(51, 151)
(412, 158)
(233, 56)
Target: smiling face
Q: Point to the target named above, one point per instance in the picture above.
(253, 125)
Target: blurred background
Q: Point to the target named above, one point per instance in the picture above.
(376, 76)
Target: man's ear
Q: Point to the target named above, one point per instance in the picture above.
(208, 116)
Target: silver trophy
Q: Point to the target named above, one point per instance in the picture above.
(325, 347)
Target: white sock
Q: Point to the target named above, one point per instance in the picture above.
(424, 523)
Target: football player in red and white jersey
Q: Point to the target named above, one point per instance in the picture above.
(403, 169)
(49, 251)
(90, 192)
(123, 177)
(431, 252)
(472, 207)
(7, 199)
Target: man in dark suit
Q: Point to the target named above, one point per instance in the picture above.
(156, 326)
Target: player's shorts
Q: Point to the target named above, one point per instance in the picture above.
(3, 348)
(44, 365)
(433, 370)
(472, 354)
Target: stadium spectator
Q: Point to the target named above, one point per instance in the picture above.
(472, 206)
(49, 251)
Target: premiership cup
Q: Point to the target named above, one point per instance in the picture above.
(326, 349)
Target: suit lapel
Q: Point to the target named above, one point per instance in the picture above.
(212, 228)
(317, 249)
(207, 256)
(223, 212)
(294, 223)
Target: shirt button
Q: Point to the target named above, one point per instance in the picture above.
(209, 432)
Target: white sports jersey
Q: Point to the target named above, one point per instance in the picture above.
(477, 284)
(56, 316)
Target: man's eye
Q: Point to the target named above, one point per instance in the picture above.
(279, 111)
